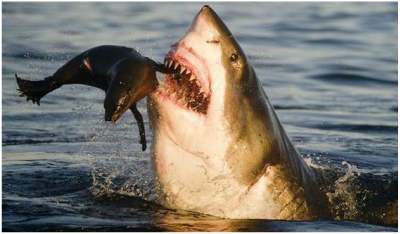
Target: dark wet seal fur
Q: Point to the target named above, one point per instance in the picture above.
(125, 75)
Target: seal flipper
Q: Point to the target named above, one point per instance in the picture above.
(35, 90)
(76, 71)
(139, 120)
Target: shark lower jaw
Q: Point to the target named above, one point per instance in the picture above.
(187, 85)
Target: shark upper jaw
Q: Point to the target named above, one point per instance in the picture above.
(197, 80)
(188, 83)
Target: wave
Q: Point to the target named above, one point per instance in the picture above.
(305, 107)
(335, 42)
(25, 52)
(357, 127)
(311, 28)
(351, 79)
(49, 117)
(359, 195)
(46, 141)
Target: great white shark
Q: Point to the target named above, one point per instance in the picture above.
(219, 147)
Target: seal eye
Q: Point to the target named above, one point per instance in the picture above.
(234, 57)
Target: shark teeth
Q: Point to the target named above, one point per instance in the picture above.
(175, 67)
(183, 70)
(184, 88)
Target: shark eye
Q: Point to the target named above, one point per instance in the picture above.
(234, 57)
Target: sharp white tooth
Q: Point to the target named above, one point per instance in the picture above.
(183, 70)
(187, 72)
(192, 77)
(169, 63)
(176, 66)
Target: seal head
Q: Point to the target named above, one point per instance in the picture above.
(132, 80)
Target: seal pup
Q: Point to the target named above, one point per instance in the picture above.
(124, 74)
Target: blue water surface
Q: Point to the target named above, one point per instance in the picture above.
(330, 70)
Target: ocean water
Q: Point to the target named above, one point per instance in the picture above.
(330, 70)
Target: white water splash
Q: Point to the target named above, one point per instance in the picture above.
(126, 171)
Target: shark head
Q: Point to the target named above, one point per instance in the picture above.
(203, 62)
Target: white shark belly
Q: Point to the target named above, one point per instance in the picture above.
(196, 183)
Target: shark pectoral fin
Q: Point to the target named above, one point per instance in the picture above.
(139, 120)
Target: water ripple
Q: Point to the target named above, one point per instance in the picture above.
(351, 79)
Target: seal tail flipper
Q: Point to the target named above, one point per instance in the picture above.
(35, 90)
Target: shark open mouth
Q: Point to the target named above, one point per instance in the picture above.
(184, 84)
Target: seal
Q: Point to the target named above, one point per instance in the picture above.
(124, 74)
(219, 147)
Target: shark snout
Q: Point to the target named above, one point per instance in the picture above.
(208, 20)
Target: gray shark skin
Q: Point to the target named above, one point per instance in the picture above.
(218, 145)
